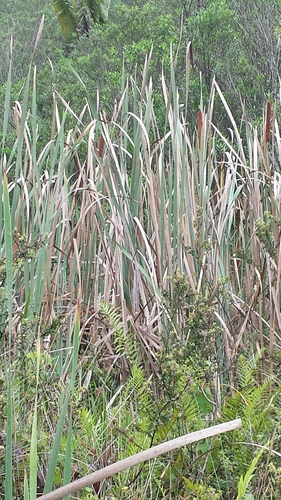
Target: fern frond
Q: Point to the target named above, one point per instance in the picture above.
(138, 390)
(124, 341)
(254, 399)
(248, 370)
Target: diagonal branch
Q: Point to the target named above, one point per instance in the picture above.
(136, 459)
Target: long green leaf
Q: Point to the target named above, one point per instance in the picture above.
(245, 480)
(56, 445)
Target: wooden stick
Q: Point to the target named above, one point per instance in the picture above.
(149, 454)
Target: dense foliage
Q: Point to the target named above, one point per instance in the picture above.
(235, 41)
(140, 249)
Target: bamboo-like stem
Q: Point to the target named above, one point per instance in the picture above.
(136, 459)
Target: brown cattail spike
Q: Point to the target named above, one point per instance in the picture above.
(101, 146)
(267, 122)
(191, 54)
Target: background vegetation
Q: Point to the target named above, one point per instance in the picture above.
(140, 249)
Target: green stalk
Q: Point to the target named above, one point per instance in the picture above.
(34, 434)
(25, 487)
(60, 426)
(68, 456)
(9, 292)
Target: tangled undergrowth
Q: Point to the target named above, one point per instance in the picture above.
(140, 299)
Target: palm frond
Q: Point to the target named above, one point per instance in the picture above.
(66, 18)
